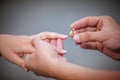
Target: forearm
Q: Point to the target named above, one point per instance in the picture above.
(0, 43)
(68, 71)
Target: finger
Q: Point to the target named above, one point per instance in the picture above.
(47, 40)
(53, 42)
(60, 47)
(88, 45)
(41, 45)
(85, 29)
(51, 35)
(77, 31)
(38, 42)
(110, 53)
(28, 49)
(88, 37)
(15, 59)
(91, 45)
(86, 22)
(29, 58)
(91, 29)
(71, 34)
(60, 44)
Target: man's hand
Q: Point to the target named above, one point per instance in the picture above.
(98, 32)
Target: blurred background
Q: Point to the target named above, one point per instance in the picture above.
(28, 17)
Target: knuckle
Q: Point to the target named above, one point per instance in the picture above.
(86, 36)
(45, 33)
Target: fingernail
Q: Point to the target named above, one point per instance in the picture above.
(64, 51)
(76, 38)
(65, 36)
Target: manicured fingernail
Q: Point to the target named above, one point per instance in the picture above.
(65, 36)
(76, 38)
(64, 51)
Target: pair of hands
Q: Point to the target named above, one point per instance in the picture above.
(100, 33)
(13, 48)
(47, 48)
(88, 34)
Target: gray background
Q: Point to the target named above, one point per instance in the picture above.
(29, 17)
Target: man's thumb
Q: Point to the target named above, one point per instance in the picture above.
(88, 37)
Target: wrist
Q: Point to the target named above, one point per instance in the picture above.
(59, 70)
(66, 71)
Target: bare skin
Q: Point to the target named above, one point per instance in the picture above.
(49, 63)
(47, 57)
(88, 33)
(100, 33)
(14, 47)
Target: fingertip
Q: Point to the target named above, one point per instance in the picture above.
(62, 52)
(72, 26)
(77, 38)
(64, 36)
(71, 34)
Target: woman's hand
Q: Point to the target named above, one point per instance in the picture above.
(14, 47)
(44, 59)
(55, 39)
